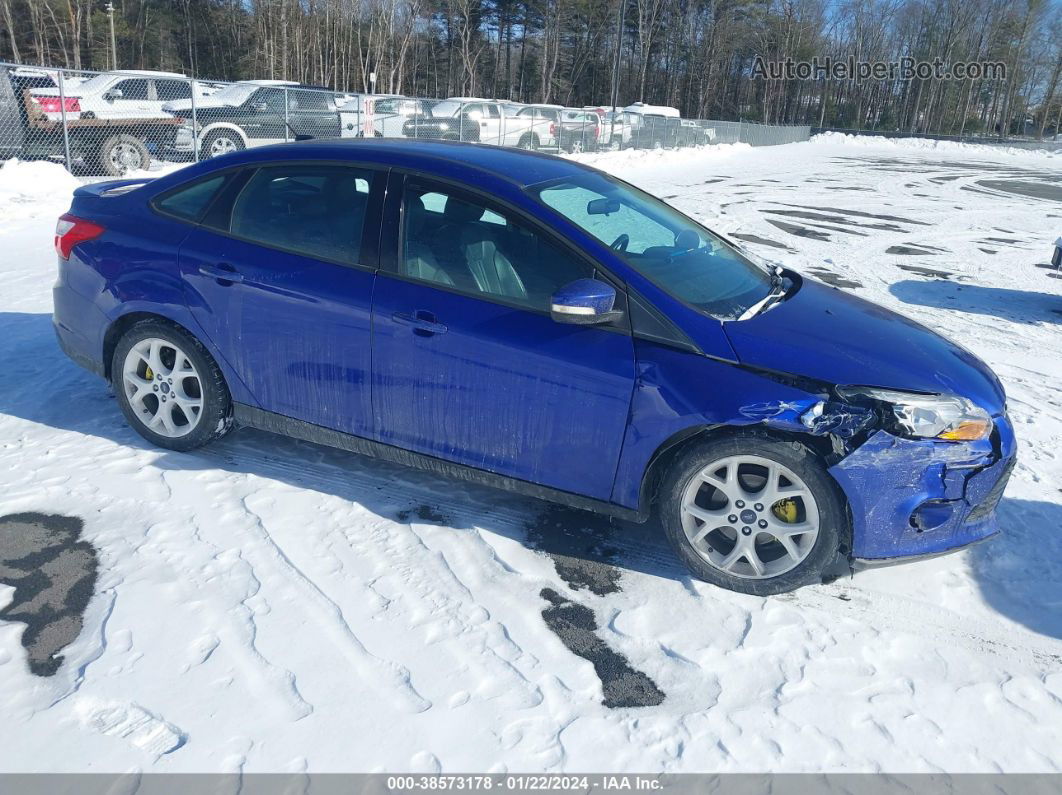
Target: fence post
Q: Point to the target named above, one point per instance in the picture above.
(195, 127)
(62, 114)
(287, 127)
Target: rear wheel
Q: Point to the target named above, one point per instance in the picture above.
(221, 142)
(753, 514)
(169, 387)
(528, 141)
(121, 154)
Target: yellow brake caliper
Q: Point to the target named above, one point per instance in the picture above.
(148, 374)
(786, 510)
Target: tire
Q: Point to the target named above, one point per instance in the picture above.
(214, 416)
(528, 141)
(121, 154)
(800, 560)
(221, 142)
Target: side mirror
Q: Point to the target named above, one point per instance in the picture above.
(584, 302)
(113, 94)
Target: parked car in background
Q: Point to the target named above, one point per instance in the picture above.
(653, 126)
(529, 323)
(579, 130)
(122, 94)
(615, 128)
(482, 121)
(112, 147)
(377, 115)
(253, 113)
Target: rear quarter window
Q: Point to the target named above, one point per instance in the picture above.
(190, 202)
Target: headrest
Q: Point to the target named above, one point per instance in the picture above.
(461, 211)
(687, 240)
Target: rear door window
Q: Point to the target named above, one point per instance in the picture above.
(170, 90)
(316, 211)
(133, 89)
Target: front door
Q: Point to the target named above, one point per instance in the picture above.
(468, 366)
(283, 285)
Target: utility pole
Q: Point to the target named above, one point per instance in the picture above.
(109, 8)
(619, 49)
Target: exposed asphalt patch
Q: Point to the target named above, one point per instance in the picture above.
(1035, 190)
(911, 251)
(799, 231)
(578, 543)
(835, 219)
(930, 272)
(426, 513)
(54, 576)
(763, 241)
(576, 626)
(833, 279)
(861, 214)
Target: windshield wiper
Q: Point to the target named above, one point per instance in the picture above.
(776, 294)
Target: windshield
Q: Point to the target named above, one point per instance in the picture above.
(668, 248)
(446, 108)
(234, 94)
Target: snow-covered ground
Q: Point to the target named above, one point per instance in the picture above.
(268, 605)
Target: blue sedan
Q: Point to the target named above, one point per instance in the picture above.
(527, 322)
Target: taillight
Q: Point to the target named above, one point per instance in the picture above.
(71, 230)
(56, 104)
(552, 128)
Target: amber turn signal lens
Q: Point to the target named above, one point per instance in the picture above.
(968, 431)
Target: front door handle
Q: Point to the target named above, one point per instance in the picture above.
(222, 272)
(423, 322)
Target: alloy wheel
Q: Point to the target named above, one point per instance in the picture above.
(222, 145)
(125, 158)
(163, 387)
(750, 517)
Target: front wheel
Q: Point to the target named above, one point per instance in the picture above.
(753, 514)
(169, 386)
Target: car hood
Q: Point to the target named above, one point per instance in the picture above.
(829, 335)
(201, 103)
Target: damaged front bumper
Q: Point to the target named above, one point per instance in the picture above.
(922, 497)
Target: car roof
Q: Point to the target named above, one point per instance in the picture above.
(268, 82)
(144, 73)
(516, 166)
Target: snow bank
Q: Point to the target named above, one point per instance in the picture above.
(928, 143)
(29, 189)
(646, 158)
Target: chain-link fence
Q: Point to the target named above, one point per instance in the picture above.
(113, 123)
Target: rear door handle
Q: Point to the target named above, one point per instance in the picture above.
(423, 322)
(222, 272)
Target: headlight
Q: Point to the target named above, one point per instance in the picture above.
(947, 417)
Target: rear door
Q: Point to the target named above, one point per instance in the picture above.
(468, 365)
(261, 117)
(280, 274)
(135, 102)
(312, 113)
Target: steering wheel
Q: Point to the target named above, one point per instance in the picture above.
(621, 242)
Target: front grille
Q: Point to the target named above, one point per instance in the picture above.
(991, 500)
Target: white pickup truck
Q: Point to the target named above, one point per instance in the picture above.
(484, 121)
